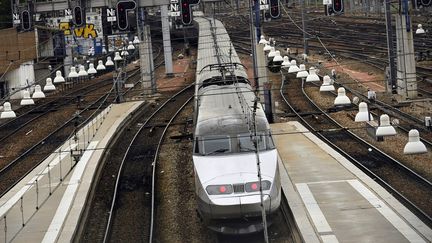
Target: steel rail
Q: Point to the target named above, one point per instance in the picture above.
(116, 187)
(12, 164)
(385, 108)
(46, 111)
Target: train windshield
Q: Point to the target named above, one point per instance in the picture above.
(216, 145)
(245, 142)
(222, 144)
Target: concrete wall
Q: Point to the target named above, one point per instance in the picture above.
(20, 78)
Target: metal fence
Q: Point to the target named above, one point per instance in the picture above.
(19, 209)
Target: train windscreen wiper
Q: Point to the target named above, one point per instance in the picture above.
(246, 149)
(218, 151)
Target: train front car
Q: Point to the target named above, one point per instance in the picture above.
(225, 158)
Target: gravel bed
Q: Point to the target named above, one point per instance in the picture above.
(131, 216)
(177, 220)
(98, 212)
(39, 129)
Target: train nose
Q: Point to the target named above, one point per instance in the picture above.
(238, 215)
(250, 204)
(239, 206)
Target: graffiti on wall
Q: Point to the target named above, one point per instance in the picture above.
(86, 31)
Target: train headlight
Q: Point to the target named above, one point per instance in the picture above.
(254, 186)
(219, 189)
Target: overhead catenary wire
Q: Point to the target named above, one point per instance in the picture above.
(321, 42)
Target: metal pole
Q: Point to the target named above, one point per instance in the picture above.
(390, 46)
(253, 41)
(256, 145)
(406, 72)
(146, 59)
(257, 20)
(305, 37)
(116, 82)
(254, 56)
(166, 41)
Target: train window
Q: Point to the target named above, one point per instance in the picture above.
(270, 143)
(216, 144)
(246, 144)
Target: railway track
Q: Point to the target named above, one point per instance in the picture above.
(406, 121)
(48, 129)
(369, 37)
(283, 229)
(13, 170)
(11, 127)
(135, 183)
(405, 184)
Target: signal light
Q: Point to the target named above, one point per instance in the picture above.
(338, 7)
(186, 11)
(274, 8)
(123, 7)
(26, 20)
(78, 16)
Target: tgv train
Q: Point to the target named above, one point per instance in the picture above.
(224, 156)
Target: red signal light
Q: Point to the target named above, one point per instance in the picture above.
(186, 10)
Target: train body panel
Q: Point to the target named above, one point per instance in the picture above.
(230, 126)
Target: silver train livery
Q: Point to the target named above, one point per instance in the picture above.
(224, 157)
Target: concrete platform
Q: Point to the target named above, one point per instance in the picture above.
(334, 201)
(46, 205)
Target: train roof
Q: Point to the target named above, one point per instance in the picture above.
(220, 110)
(212, 31)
